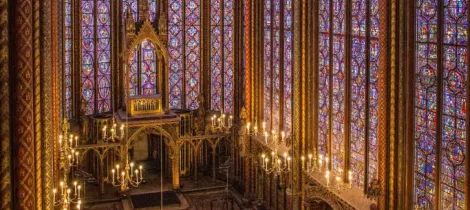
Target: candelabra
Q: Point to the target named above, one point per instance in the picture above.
(127, 177)
(222, 123)
(114, 135)
(69, 157)
(277, 164)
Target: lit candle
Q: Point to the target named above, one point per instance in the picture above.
(326, 162)
(104, 132)
(136, 175)
(266, 160)
(123, 175)
(76, 154)
(266, 137)
(117, 170)
(75, 187)
(338, 182)
(256, 129)
(112, 171)
(288, 163)
(76, 141)
(140, 168)
(282, 136)
(350, 179)
(79, 188)
(62, 187)
(54, 191)
(327, 176)
(264, 126)
(132, 168)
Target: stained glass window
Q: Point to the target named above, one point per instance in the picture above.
(95, 56)
(184, 48)
(88, 56)
(222, 55)
(278, 64)
(68, 57)
(448, 119)
(363, 94)
(134, 6)
(338, 59)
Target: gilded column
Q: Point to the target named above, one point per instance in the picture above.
(23, 102)
(297, 68)
(5, 130)
(37, 106)
(45, 143)
(382, 101)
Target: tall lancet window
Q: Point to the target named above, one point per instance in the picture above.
(184, 39)
(68, 59)
(278, 46)
(142, 63)
(440, 99)
(95, 25)
(222, 77)
(333, 71)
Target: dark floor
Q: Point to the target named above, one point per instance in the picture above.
(154, 199)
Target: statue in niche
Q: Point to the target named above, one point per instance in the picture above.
(242, 133)
(200, 116)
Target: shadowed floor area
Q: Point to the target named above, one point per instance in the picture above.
(153, 199)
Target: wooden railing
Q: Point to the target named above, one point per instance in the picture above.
(145, 105)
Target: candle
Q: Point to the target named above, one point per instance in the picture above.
(303, 161)
(136, 175)
(282, 136)
(117, 170)
(266, 160)
(140, 168)
(76, 141)
(79, 187)
(338, 182)
(62, 187)
(112, 171)
(326, 162)
(75, 187)
(54, 191)
(327, 176)
(264, 126)
(123, 175)
(256, 129)
(104, 132)
(132, 168)
(288, 163)
(76, 154)
(266, 137)
(350, 179)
